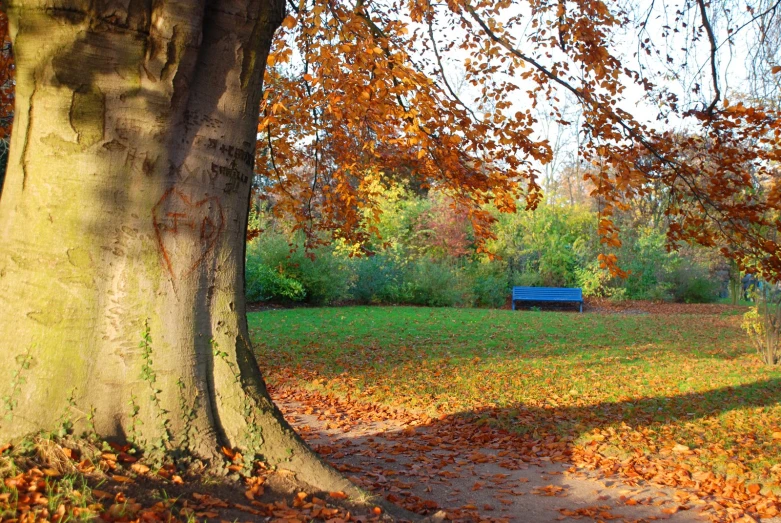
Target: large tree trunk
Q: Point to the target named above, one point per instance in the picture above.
(122, 226)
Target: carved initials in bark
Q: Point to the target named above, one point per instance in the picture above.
(186, 230)
(199, 93)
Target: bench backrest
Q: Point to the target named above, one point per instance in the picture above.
(548, 293)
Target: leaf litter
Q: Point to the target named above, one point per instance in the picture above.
(472, 458)
(70, 480)
(436, 471)
(656, 401)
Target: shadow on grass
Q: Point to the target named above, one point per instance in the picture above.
(445, 463)
(570, 422)
(637, 413)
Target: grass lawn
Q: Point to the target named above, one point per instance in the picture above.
(610, 385)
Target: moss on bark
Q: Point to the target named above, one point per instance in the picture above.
(121, 246)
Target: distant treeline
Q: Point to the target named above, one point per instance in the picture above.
(424, 252)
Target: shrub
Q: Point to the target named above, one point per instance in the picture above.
(644, 256)
(489, 284)
(556, 245)
(436, 285)
(691, 283)
(527, 279)
(376, 279)
(323, 278)
(326, 278)
(593, 280)
(659, 291)
(618, 294)
(264, 283)
(762, 323)
(698, 290)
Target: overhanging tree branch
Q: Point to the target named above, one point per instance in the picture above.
(442, 69)
(681, 172)
(713, 50)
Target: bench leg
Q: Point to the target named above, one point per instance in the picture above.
(581, 306)
(513, 302)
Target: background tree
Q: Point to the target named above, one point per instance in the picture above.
(125, 208)
(6, 95)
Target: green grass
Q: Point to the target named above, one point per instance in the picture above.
(741, 302)
(646, 382)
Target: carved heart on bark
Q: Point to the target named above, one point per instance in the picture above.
(186, 230)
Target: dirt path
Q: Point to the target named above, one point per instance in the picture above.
(475, 476)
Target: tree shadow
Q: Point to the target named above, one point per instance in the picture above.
(639, 412)
(527, 420)
(446, 463)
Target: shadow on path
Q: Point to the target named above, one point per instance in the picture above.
(463, 467)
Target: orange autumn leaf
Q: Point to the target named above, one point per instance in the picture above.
(139, 468)
(101, 494)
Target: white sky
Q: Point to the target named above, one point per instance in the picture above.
(675, 78)
(732, 58)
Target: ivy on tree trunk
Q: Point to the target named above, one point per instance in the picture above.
(122, 227)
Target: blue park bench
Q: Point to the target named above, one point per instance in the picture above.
(548, 294)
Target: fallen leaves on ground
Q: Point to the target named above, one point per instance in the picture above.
(34, 492)
(414, 438)
(672, 396)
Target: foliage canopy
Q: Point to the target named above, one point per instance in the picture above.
(360, 88)
(357, 90)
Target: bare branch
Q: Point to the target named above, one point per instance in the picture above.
(442, 69)
(713, 49)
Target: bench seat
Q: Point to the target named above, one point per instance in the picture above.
(548, 294)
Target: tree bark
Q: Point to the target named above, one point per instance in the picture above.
(122, 226)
